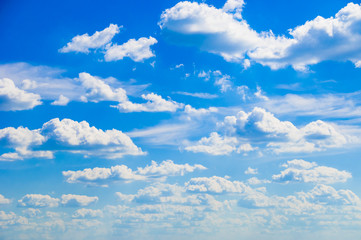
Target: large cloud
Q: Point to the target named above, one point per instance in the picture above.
(299, 170)
(102, 176)
(82, 43)
(13, 99)
(66, 135)
(225, 33)
(38, 200)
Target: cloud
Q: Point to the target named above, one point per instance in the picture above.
(102, 176)
(222, 81)
(87, 213)
(215, 184)
(214, 145)
(31, 212)
(97, 90)
(252, 171)
(299, 170)
(71, 200)
(137, 50)
(66, 135)
(83, 43)
(155, 103)
(14, 99)
(61, 101)
(224, 32)
(262, 127)
(198, 95)
(4, 200)
(38, 201)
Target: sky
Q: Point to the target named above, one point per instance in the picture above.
(191, 120)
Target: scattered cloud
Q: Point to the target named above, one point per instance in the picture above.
(299, 170)
(198, 95)
(13, 98)
(71, 200)
(4, 200)
(102, 176)
(83, 43)
(87, 213)
(227, 34)
(252, 171)
(137, 50)
(38, 201)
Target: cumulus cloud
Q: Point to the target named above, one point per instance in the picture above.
(137, 50)
(251, 171)
(4, 200)
(87, 213)
(66, 135)
(224, 32)
(83, 43)
(262, 127)
(61, 101)
(102, 176)
(13, 98)
(38, 201)
(155, 103)
(215, 184)
(299, 170)
(71, 200)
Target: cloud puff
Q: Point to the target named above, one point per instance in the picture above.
(224, 32)
(137, 50)
(14, 99)
(67, 135)
(4, 200)
(299, 170)
(215, 184)
(87, 213)
(61, 101)
(38, 201)
(262, 127)
(71, 200)
(251, 171)
(102, 176)
(82, 43)
(155, 103)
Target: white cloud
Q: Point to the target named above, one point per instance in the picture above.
(137, 50)
(252, 171)
(262, 127)
(68, 135)
(4, 200)
(155, 103)
(38, 200)
(193, 112)
(102, 176)
(256, 181)
(31, 212)
(303, 171)
(97, 90)
(199, 95)
(225, 33)
(87, 213)
(61, 101)
(83, 43)
(71, 200)
(14, 99)
(214, 145)
(215, 184)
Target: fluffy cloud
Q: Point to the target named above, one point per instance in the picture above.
(101, 176)
(61, 101)
(137, 50)
(215, 184)
(251, 171)
(71, 200)
(38, 200)
(67, 135)
(87, 213)
(260, 126)
(302, 171)
(13, 99)
(82, 43)
(4, 200)
(224, 32)
(155, 103)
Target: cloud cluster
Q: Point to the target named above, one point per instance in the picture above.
(67, 200)
(66, 135)
(103, 176)
(223, 31)
(71, 200)
(13, 98)
(137, 50)
(298, 170)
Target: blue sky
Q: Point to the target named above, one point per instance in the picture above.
(191, 120)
